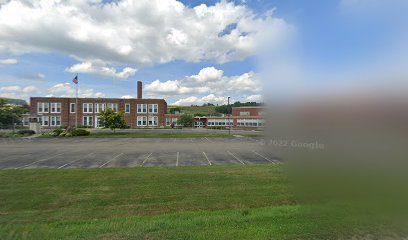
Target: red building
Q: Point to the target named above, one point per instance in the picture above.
(242, 117)
(57, 112)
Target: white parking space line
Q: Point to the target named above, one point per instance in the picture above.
(205, 155)
(191, 140)
(113, 159)
(174, 140)
(177, 163)
(144, 161)
(239, 160)
(42, 160)
(62, 166)
(262, 156)
(208, 140)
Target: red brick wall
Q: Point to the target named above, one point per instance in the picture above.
(253, 111)
(68, 119)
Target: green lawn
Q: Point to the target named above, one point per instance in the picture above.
(155, 135)
(214, 202)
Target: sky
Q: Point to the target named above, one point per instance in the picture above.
(193, 51)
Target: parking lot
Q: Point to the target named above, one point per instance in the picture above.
(63, 153)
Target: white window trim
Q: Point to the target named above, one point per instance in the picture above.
(43, 104)
(96, 122)
(143, 108)
(154, 120)
(113, 106)
(126, 106)
(99, 107)
(42, 121)
(54, 119)
(70, 108)
(55, 106)
(154, 107)
(87, 121)
(87, 108)
(142, 118)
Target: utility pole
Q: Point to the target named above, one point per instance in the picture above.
(229, 125)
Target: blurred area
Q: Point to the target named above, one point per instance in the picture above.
(338, 114)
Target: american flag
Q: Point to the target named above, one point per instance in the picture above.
(75, 80)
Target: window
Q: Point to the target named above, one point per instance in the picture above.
(55, 120)
(244, 114)
(127, 108)
(141, 121)
(88, 108)
(251, 122)
(174, 120)
(88, 121)
(99, 107)
(168, 121)
(44, 121)
(113, 106)
(261, 113)
(98, 122)
(153, 108)
(55, 107)
(220, 122)
(153, 121)
(72, 108)
(43, 107)
(142, 108)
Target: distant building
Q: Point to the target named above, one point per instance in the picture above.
(58, 112)
(241, 117)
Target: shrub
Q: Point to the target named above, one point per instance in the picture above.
(80, 132)
(57, 131)
(26, 132)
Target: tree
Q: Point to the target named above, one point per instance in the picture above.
(10, 114)
(112, 119)
(174, 110)
(185, 120)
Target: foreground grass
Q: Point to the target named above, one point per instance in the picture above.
(215, 202)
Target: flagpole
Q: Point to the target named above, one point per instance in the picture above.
(76, 104)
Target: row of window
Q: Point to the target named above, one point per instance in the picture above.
(53, 121)
(250, 123)
(89, 107)
(248, 113)
(88, 121)
(170, 121)
(45, 107)
(220, 122)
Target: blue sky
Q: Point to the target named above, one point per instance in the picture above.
(184, 51)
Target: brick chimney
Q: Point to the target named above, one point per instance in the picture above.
(139, 89)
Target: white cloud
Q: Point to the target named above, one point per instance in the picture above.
(209, 80)
(8, 61)
(128, 97)
(254, 98)
(199, 101)
(173, 87)
(18, 91)
(137, 32)
(100, 68)
(67, 90)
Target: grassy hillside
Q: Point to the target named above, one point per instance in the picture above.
(208, 110)
(15, 101)
(214, 202)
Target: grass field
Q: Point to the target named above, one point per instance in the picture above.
(155, 135)
(207, 110)
(216, 202)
